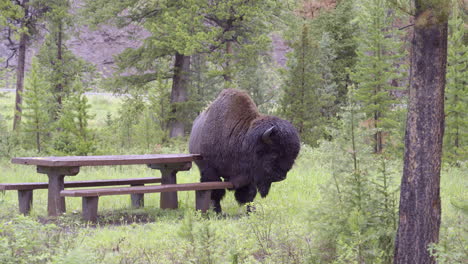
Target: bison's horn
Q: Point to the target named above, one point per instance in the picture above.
(266, 137)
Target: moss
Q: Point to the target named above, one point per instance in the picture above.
(433, 12)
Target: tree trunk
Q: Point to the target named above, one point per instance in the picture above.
(420, 210)
(227, 69)
(180, 83)
(24, 38)
(59, 85)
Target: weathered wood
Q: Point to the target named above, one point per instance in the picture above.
(420, 208)
(25, 199)
(138, 199)
(169, 200)
(179, 166)
(77, 161)
(76, 184)
(147, 189)
(66, 171)
(90, 208)
(180, 83)
(203, 200)
(55, 203)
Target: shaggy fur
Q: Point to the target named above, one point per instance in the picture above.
(228, 134)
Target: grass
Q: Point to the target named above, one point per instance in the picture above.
(100, 107)
(279, 231)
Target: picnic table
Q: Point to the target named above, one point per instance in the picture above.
(56, 168)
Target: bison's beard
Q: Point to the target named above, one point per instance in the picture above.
(263, 187)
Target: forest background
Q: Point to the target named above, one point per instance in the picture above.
(343, 84)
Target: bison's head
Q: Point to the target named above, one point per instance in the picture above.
(275, 144)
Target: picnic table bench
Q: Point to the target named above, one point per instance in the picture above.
(25, 190)
(56, 168)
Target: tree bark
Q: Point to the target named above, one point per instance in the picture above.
(227, 69)
(420, 209)
(180, 82)
(24, 38)
(59, 85)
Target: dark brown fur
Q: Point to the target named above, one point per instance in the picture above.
(229, 135)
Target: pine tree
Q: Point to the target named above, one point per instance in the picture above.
(456, 99)
(260, 81)
(241, 29)
(379, 53)
(301, 100)
(59, 65)
(420, 217)
(328, 89)
(339, 25)
(362, 190)
(227, 33)
(20, 18)
(75, 137)
(37, 121)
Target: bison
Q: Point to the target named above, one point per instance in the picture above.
(242, 146)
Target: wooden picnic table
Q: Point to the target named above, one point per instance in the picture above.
(57, 168)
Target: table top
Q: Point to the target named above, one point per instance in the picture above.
(74, 161)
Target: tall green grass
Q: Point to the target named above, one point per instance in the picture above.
(280, 231)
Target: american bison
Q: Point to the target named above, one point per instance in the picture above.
(242, 146)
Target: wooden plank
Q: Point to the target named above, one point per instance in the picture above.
(70, 161)
(55, 203)
(90, 208)
(138, 199)
(169, 200)
(75, 184)
(25, 199)
(148, 189)
(203, 200)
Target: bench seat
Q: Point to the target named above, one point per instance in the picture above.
(91, 196)
(75, 184)
(25, 196)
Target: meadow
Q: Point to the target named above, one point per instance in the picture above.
(102, 104)
(285, 228)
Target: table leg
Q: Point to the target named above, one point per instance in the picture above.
(138, 199)
(168, 199)
(203, 200)
(56, 203)
(168, 174)
(25, 199)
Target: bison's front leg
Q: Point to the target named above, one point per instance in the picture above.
(209, 175)
(246, 194)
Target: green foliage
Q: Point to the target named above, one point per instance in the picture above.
(338, 24)
(35, 111)
(379, 69)
(362, 190)
(301, 220)
(260, 81)
(24, 240)
(307, 95)
(61, 73)
(8, 141)
(141, 122)
(74, 136)
(452, 246)
(226, 40)
(9, 11)
(456, 99)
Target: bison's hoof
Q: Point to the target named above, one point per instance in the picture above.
(251, 209)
